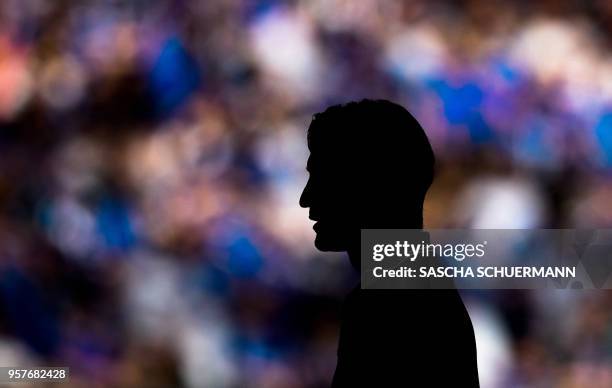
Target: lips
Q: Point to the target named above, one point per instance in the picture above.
(314, 217)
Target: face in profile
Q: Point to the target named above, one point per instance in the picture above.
(328, 197)
(370, 165)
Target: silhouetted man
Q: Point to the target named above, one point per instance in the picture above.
(370, 166)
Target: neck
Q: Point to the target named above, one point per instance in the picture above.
(354, 249)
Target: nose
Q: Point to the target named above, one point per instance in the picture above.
(306, 194)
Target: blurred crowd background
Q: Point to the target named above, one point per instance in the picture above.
(152, 154)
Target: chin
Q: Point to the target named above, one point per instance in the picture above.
(326, 244)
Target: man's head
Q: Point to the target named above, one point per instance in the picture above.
(370, 166)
